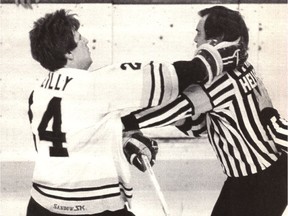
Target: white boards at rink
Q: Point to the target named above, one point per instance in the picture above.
(125, 33)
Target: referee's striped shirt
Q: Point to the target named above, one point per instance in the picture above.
(276, 127)
(241, 142)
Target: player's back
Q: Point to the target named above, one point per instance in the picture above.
(73, 132)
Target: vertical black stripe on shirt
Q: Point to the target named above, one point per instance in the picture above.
(231, 151)
(161, 83)
(239, 114)
(221, 146)
(242, 126)
(30, 101)
(152, 84)
(254, 125)
(30, 115)
(237, 143)
(256, 131)
(240, 146)
(251, 119)
(260, 127)
(212, 134)
(242, 156)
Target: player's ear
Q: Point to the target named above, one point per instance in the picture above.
(216, 40)
(69, 56)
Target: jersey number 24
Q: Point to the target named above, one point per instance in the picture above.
(56, 136)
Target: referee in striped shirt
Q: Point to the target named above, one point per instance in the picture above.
(245, 131)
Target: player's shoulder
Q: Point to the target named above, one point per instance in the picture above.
(121, 66)
(132, 65)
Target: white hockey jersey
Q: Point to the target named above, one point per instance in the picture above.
(75, 119)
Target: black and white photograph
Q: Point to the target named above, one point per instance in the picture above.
(144, 107)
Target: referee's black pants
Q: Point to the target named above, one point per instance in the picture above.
(261, 194)
(34, 209)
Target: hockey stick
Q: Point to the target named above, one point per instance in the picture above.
(155, 184)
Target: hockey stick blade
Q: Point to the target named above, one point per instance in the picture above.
(155, 184)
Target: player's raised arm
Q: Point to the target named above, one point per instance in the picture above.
(210, 60)
(191, 103)
(153, 84)
(136, 85)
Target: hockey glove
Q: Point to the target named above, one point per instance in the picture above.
(220, 57)
(210, 60)
(136, 145)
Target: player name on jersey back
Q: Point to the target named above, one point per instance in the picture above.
(56, 81)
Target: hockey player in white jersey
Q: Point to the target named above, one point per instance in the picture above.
(80, 167)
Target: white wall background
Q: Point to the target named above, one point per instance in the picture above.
(125, 33)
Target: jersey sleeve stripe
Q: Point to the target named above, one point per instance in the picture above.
(30, 114)
(212, 58)
(162, 87)
(162, 81)
(152, 85)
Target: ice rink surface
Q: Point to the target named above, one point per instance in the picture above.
(191, 180)
(182, 199)
(188, 173)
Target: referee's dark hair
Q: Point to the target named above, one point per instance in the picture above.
(226, 23)
(52, 37)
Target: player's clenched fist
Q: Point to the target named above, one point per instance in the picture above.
(135, 145)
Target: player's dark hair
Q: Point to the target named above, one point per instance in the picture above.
(52, 37)
(226, 23)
